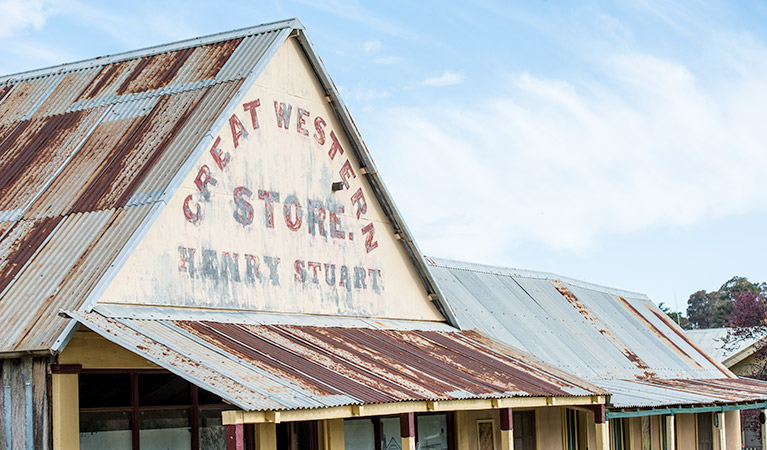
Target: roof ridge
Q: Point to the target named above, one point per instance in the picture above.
(526, 273)
(154, 50)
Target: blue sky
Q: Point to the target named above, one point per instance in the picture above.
(622, 143)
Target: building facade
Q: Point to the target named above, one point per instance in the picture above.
(198, 252)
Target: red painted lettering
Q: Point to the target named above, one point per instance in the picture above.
(192, 217)
(319, 127)
(335, 224)
(251, 108)
(269, 197)
(300, 271)
(243, 210)
(314, 267)
(315, 215)
(283, 114)
(202, 180)
(301, 121)
(221, 158)
(293, 212)
(335, 147)
(346, 173)
(238, 130)
(359, 199)
(369, 232)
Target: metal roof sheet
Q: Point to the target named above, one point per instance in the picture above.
(591, 331)
(275, 367)
(683, 392)
(89, 150)
(712, 341)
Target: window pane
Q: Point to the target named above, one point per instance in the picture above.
(212, 432)
(359, 434)
(164, 430)
(99, 390)
(390, 438)
(161, 389)
(105, 430)
(432, 431)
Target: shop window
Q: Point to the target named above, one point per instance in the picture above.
(524, 430)
(433, 432)
(147, 410)
(705, 425)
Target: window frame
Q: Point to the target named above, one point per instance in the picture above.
(135, 409)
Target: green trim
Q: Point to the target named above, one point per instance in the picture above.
(620, 413)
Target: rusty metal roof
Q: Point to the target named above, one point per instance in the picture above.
(712, 340)
(89, 153)
(683, 392)
(276, 367)
(591, 331)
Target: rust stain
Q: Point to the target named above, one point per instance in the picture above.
(28, 156)
(586, 313)
(656, 331)
(154, 72)
(4, 90)
(673, 327)
(106, 76)
(23, 247)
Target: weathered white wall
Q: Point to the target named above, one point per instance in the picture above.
(222, 243)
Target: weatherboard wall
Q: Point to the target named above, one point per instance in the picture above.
(257, 224)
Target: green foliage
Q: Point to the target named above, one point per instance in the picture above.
(713, 309)
(676, 316)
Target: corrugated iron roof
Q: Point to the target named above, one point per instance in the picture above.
(276, 367)
(684, 392)
(713, 342)
(588, 330)
(89, 150)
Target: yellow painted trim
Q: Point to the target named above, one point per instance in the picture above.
(334, 434)
(383, 409)
(94, 352)
(266, 436)
(65, 411)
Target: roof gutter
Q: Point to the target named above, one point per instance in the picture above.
(618, 413)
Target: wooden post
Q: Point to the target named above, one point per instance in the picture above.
(65, 406)
(334, 434)
(235, 437)
(722, 433)
(670, 432)
(602, 428)
(266, 436)
(507, 429)
(407, 430)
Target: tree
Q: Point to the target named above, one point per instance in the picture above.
(676, 316)
(713, 309)
(748, 321)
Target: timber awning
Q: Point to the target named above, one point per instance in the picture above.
(282, 367)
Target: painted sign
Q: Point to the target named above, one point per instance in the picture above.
(276, 216)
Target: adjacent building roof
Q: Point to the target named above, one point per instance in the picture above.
(618, 340)
(712, 341)
(277, 367)
(90, 153)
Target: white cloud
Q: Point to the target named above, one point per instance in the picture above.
(561, 164)
(371, 46)
(448, 78)
(18, 15)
